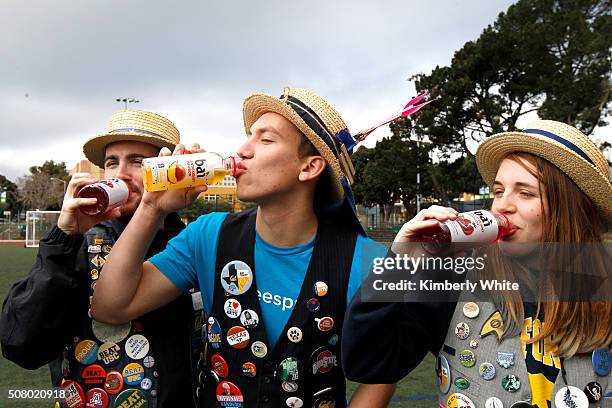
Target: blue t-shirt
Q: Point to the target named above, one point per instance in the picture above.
(189, 262)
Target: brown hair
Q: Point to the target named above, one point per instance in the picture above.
(570, 217)
(306, 148)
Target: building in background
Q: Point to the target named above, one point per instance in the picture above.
(226, 191)
(85, 166)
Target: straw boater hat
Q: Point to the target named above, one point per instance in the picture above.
(560, 144)
(317, 120)
(132, 125)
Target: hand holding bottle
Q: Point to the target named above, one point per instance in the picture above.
(171, 200)
(438, 227)
(425, 219)
(72, 220)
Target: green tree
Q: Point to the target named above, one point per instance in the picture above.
(39, 191)
(11, 195)
(202, 206)
(52, 169)
(549, 56)
(388, 173)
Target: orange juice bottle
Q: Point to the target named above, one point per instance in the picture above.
(187, 170)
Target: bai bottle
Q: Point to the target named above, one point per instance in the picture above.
(110, 193)
(187, 170)
(481, 226)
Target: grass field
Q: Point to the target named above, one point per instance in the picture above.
(415, 391)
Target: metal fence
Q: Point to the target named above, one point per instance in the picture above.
(12, 231)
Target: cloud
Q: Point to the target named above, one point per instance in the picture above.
(195, 61)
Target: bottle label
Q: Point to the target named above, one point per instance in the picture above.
(116, 190)
(473, 226)
(180, 171)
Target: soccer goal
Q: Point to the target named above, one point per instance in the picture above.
(38, 223)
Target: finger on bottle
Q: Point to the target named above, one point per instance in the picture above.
(85, 201)
(165, 152)
(179, 149)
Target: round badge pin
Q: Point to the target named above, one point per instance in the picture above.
(593, 391)
(289, 386)
(313, 305)
(320, 288)
(114, 382)
(146, 384)
(86, 352)
(259, 349)
(294, 402)
(232, 308)
(325, 323)
(511, 383)
(467, 358)
(249, 319)
(109, 332)
(213, 332)
(229, 395)
(97, 398)
(289, 369)
(487, 371)
(571, 397)
(249, 369)
(93, 375)
(131, 398)
(462, 383)
(521, 404)
(473, 344)
(494, 402)
(458, 400)
(236, 277)
(148, 361)
(462, 331)
(73, 394)
(323, 360)
(238, 337)
(109, 354)
(133, 373)
(137, 347)
(294, 334)
(443, 373)
(602, 361)
(219, 365)
(471, 310)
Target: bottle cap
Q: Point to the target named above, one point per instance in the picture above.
(231, 164)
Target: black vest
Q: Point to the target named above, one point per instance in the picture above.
(166, 330)
(321, 377)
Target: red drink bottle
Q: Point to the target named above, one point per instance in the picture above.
(481, 226)
(110, 194)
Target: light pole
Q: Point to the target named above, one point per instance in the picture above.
(126, 101)
(418, 178)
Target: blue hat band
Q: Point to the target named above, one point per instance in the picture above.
(561, 140)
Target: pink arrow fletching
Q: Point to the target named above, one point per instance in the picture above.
(408, 109)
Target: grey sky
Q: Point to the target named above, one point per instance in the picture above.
(194, 61)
